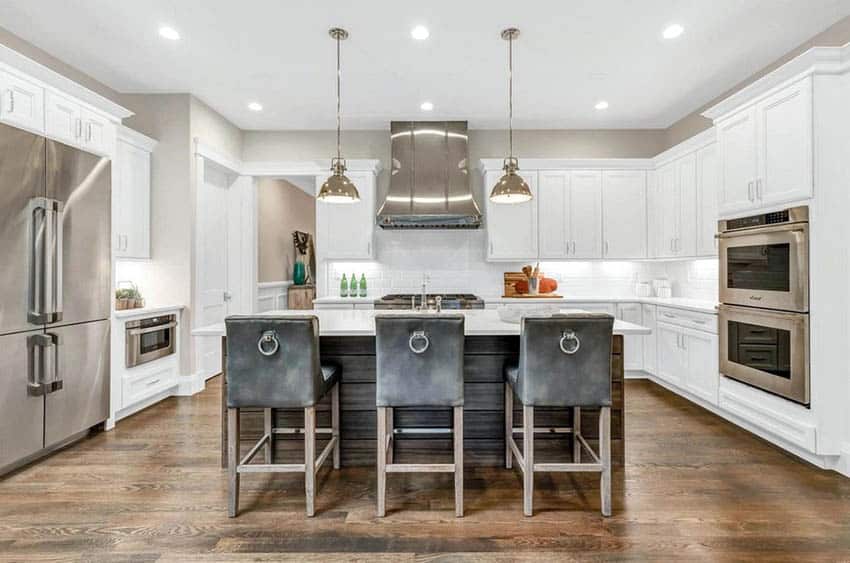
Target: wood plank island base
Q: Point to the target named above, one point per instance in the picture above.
(421, 433)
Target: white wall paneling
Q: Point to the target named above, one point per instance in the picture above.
(272, 296)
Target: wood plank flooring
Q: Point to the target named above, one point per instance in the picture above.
(694, 488)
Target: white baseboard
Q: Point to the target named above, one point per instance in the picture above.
(635, 374)
(192, 384)
(141, 405)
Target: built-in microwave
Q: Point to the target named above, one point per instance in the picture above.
(767, 349)
(764, 260)
(149, 339)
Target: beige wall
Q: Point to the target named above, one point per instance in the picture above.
(283, 208)
(834, 36)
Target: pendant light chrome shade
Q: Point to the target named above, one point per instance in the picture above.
(511, 188)
(338, 188)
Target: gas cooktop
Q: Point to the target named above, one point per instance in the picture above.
(449, 301)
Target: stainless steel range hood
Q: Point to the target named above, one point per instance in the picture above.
(429, 185)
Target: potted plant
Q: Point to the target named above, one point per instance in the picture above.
(124, 296)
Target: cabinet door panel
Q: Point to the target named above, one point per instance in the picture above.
(512, 227)
(785, 145)
(131, 201)
(21, 102)
(736, 137)
(702, 375)
(586, 213)
(669, 196)
(670, 361)
(347, 229)
(552, 205)
(654, 224)
(707, 184)
(624, 214)
(632, 345)
(650, 340)
(97, 132)
(62, 118)
(686, 224)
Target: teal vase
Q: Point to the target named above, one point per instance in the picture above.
(299, 273)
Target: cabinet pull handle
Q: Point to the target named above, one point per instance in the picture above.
(11, 101)
(369, 247)
(574, 247)
(750, 191)
(758, 189)
(491, 247)
(154, 382)
(88, 132)
(606, 248)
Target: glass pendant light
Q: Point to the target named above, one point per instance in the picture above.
(510, 188)
(338, 188)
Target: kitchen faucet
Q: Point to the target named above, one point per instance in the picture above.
(424, 303)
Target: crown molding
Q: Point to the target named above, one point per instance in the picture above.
(815, 61)
(490, 164)
(689, 145)
(30, 69)
(135, 138)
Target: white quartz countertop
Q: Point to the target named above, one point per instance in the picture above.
(146, 311)
(698, 305)
(361, 322)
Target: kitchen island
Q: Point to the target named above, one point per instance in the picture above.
(348, 338)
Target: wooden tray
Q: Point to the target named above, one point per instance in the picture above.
(538, 296)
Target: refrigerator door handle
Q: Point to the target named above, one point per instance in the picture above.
(43, 369)
(57, 247)
(38, 211)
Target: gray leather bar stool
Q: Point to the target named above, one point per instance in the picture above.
(419, 364)
(564, 361)
(273, 363)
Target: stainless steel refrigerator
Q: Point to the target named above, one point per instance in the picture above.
(54, 296)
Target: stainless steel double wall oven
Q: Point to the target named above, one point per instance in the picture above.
(764, 295)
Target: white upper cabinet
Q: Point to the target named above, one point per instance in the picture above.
(63, 118)
(765, 151)
(97, 132)
(686, 234)
(585, 214)
(21, 102)
(784, 122)
(668, 205)
(569, 208)
(707, 181)
(347, 230)
(624, 214)
(552, 201)
(131, 195)
(512, 232)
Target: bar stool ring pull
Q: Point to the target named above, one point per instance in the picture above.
(569, 336)
(419, 335)
(268, 336)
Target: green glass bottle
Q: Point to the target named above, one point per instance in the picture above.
(362, 285)
(352, 285)
(343, 287)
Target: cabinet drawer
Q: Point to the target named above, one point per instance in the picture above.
(688, 319)
(137, 387)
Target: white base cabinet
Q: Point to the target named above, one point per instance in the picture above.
(632, 345)
(687, 352)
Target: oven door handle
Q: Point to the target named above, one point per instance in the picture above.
(146, 330)
(760, 231)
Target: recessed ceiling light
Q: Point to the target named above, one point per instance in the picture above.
(255, 106)
(672, 31)
(426, 106)
(420, 32)
(169, 33)
(601, 104)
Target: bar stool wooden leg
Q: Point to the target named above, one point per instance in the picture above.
(576, 433)
(310, 458)
(458, 460)
(509, 425)
(528, 455)
(382, 461)
(335, 423)
(232, 462)
(391, 434)
(268, 426)
(605, 458)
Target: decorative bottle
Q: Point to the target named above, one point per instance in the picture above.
(343, 287)
(352, 285)
(362, 285)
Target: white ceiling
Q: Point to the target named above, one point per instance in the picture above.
(570, 55)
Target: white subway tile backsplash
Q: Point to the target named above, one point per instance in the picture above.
(455, 262)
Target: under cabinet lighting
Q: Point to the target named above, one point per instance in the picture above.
(426, 106)
(601, 104)
(420, 33)
(255, 106)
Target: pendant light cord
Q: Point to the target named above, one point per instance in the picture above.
(511, 96)
(338, 105)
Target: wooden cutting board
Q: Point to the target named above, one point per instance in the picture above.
(510, 287)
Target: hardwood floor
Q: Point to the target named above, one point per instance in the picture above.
(694, 488)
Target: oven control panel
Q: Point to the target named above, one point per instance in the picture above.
(792, 215)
